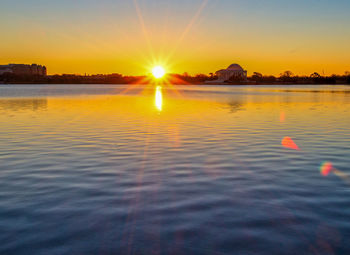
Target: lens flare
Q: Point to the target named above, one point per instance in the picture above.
(282, 117)
(159, 98)
(289, 143)
(326, 168)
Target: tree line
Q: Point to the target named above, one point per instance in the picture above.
(289, 77)
(286, 77)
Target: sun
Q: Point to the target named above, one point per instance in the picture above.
(158, 72)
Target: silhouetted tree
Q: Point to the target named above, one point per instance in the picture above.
(269, 79)
(347, 75)
(287, 76)
(201, 77)
(257, 77)
(315, 75)
(316, 78)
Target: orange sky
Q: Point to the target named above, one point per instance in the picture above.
(199, 36)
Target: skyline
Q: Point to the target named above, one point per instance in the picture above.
(202, 36)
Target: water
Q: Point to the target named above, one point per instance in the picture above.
(175, 170)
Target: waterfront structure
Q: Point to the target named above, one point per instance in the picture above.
(233, 71)
(5, 69)
(22, 69)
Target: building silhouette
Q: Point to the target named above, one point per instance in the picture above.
(233, 71)
(22, 69)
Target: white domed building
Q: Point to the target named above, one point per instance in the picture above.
(233, 70)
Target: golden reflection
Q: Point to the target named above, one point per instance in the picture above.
(23, 104)
(159, 98)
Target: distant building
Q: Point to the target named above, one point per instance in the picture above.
(233, 70)
(21, 69)
(5, 69)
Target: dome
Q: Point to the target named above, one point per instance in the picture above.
(235, 67)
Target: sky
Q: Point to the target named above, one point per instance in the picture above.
(194, 36)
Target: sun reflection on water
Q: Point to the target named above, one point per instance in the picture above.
(159, 98)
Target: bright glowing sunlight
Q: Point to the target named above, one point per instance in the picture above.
(158, 72)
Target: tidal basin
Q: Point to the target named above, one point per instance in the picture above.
(110, 169)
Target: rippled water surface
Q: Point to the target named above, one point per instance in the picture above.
(101, 169)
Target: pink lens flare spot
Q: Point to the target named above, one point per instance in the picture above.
(282, 117)
(289, 143)
(326, 168)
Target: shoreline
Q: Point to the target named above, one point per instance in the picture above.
(193, 84)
